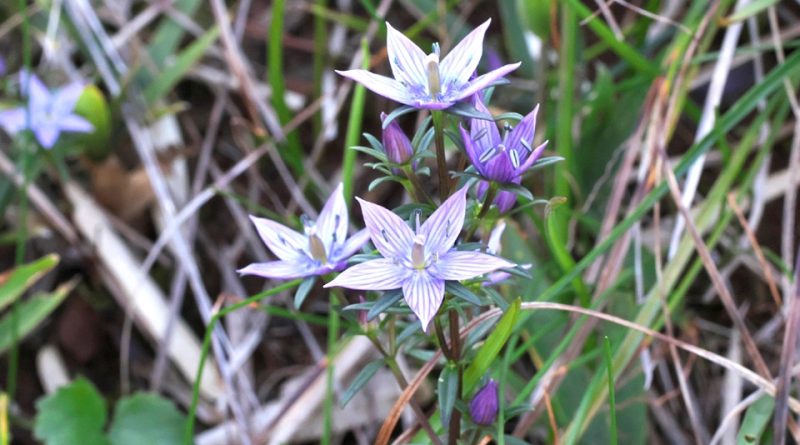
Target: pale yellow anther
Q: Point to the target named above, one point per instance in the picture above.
(316, 246)
(418, 252)
(434, 82)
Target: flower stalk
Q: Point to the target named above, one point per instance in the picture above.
(441, 161)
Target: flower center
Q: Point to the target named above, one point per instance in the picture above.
(418, 252)
(434, 81)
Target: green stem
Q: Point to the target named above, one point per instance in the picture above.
(416, 187)
(441, 161)
(189, 430)
(487, 204)
(333, 334)
(454, 429)
(22, 233)
(391, 362)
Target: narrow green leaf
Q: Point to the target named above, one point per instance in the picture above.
(146, 419)
(13, 283)
(387, 300)
(460, 291)
(361, 379)
(171, 75)
(292, 152)
(397, 112)
(354, 128)
(29, 314)
(447, 391)
(755, 421)
(612, 405)
(748, 10)
(489, 350)
(75, 414)
(302, 291)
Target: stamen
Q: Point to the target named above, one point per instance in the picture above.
(487, 155)
(385, 236)
(317, 249)
(434, 81)
(418, 252)
(514, 156)
(526, 145)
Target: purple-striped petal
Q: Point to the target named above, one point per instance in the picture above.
(485, 80)
(75, 123)
(423, 294)
(473, 150)
(380, 274)
(405, 58)
(351, 246)
(463, 265)
(47, 135)
(523, 132)
(284, 242)
(333, 220)
(390, 234)
(459, 64)
(532, 158)
(13, 120)
(444, 225)
(484, 133)
(281, 270)
(382, 85)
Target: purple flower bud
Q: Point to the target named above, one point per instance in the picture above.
(483, 407)
(395, 143)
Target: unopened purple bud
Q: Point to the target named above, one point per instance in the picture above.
(483, 407)
(395, 143)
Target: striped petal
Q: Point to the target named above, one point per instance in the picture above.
(380, 274)
(284, 242)
(382, 85)
(523, 133)
(461, 265)
(333, 220)
(483, 132)
(484, 81)
(351, 246)
(281, 270)
(390, 234)
(405, 58)
(461, 62)
(424, 294)
(444, 225)
(532, 158)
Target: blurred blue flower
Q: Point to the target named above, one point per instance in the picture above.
(484, 404)
(323, 247)
(421, 80)
(418, 261)
(50, 114)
